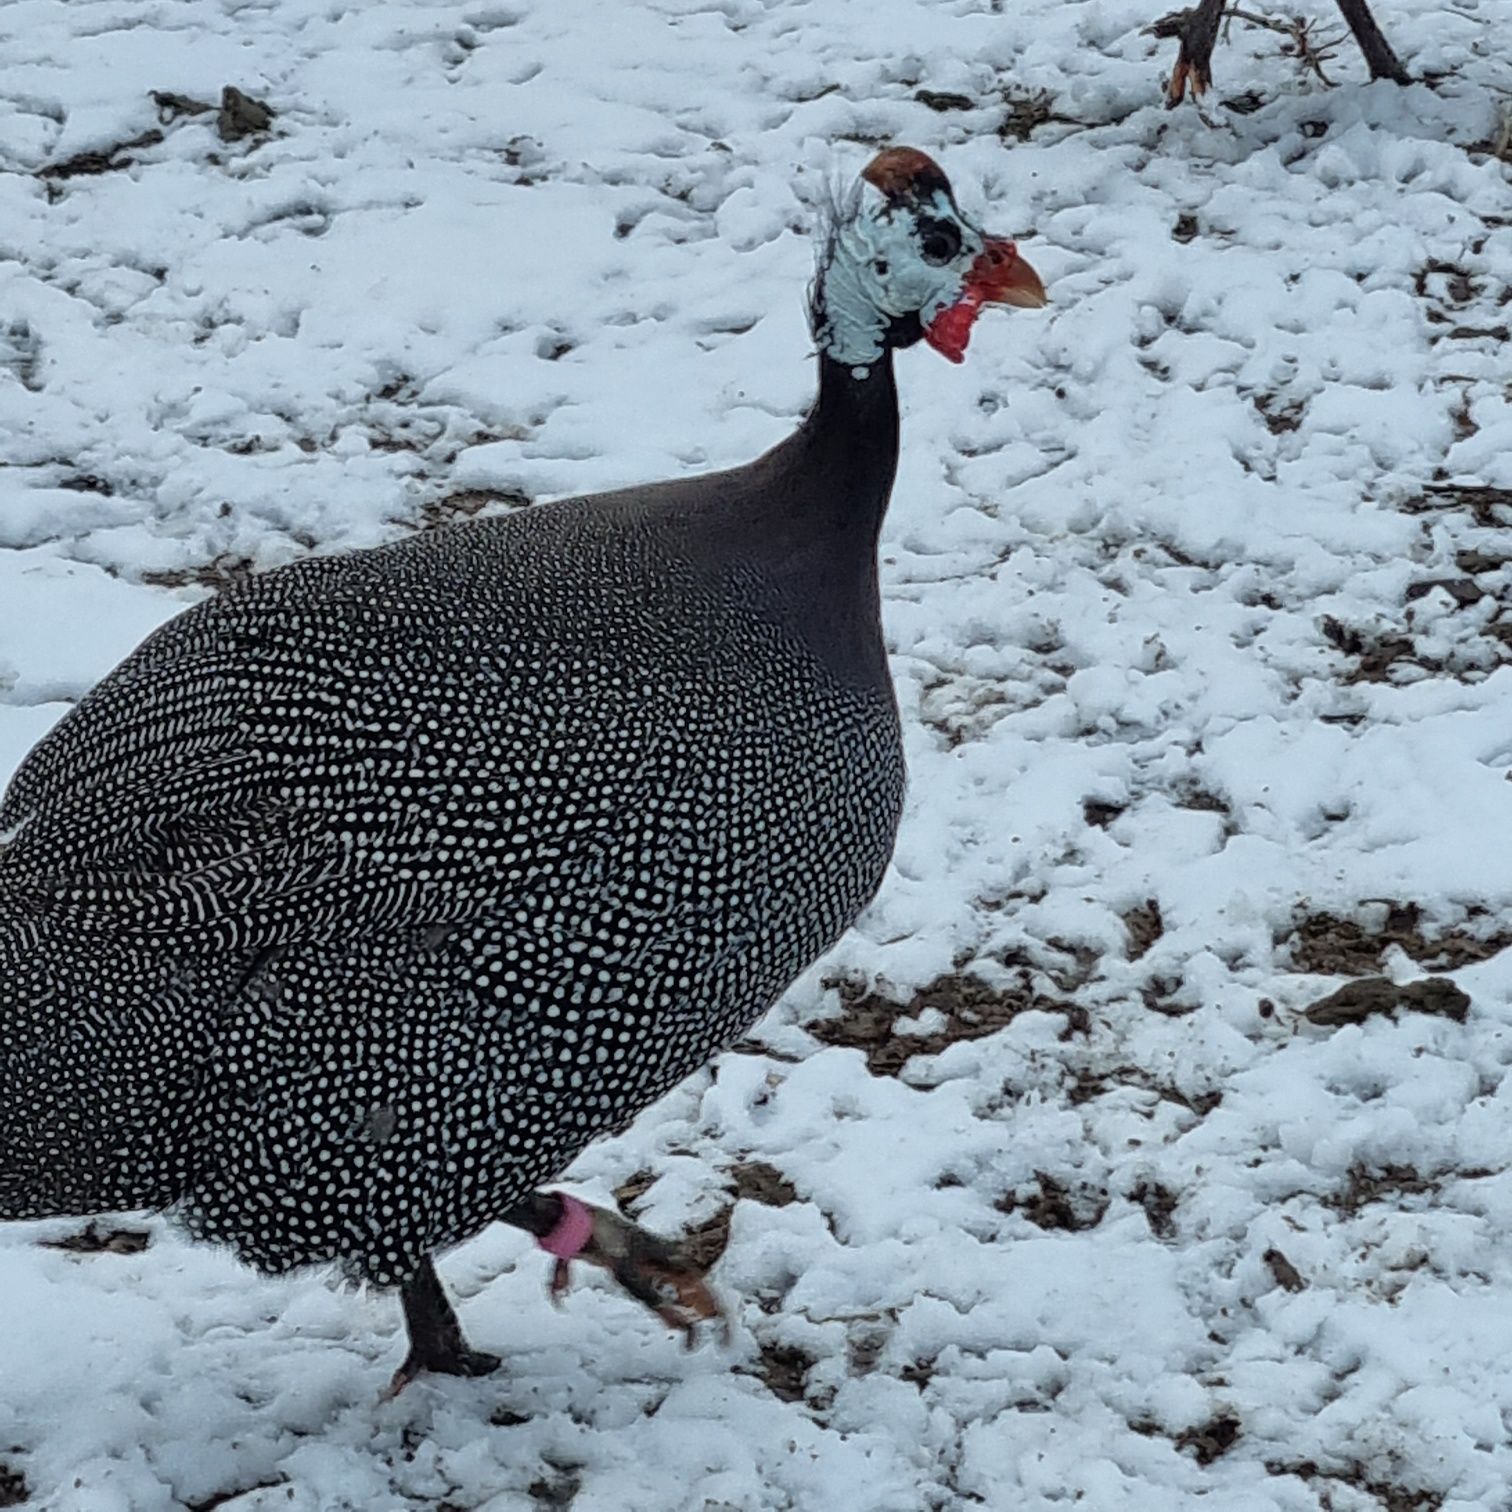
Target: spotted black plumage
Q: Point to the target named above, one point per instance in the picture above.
(359, 899)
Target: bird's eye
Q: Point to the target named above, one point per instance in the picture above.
(939, 241)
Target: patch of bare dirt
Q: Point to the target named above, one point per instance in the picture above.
(559, 1489)
(1363, 1186)
(864, 1348)
(1443, 280)
(1394, 653)
(1100, 814)
(1281, 416)
(226, 571)
(704, 1243)
(944, 100)
(14, 1492)
(1025, 111)
(1159, 1203)
(1159, 996)
(784, 1370)
(1285, 1274)
(1357, 1001)
(1463, 590)
(1476, 560)
(1326, 945)
(104, 160)
(1055, 1206)
(87, 483)
(1145, 927)
(467, 502)
(630, 1191)
(1375, 653)
(1486, 504)
(239, 115)
(398, 422)
(761, 1182)
(972, 1009)
(1089, 1085)
(1390, 1496)
(1201, 801)
(1210, 1440)
(96, 1239)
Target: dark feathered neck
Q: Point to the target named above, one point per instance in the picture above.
(814, 513)
(854, 425)
(828, 484)
(797, 527)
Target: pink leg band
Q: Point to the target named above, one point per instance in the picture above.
(572, 1232)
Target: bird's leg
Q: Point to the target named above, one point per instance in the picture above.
(658, 1273)
(435, 1335)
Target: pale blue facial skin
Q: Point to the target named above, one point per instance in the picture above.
(878, 272)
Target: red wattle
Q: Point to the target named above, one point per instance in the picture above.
(950, 331)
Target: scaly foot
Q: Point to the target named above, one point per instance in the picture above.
(657, 1272)
(435, 1335)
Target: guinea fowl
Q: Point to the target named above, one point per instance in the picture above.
(358, 900)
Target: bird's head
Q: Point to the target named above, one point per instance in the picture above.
(901, 263)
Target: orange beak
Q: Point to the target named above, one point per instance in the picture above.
(998, 276)
(1005, 278)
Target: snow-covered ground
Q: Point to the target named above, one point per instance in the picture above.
(1045, 1188)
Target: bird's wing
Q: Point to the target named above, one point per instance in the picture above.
(321, 767)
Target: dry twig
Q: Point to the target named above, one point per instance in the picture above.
(1311, 46)
(1197, 30)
